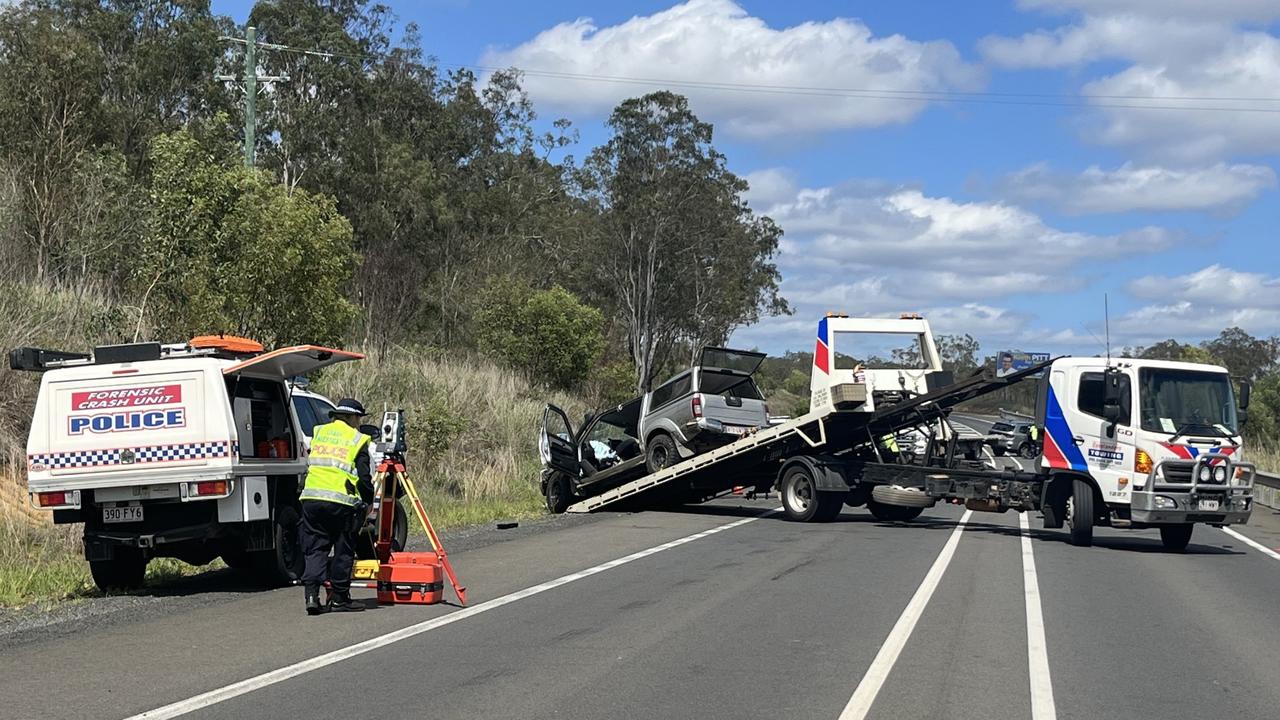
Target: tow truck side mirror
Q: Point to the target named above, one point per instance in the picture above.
(1112, 400)
(1246, 388)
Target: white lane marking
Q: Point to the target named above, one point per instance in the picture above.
(1252, 543)
(1042, 707)
(860, 704)
(248, 685)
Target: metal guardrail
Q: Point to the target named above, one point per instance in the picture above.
(1266, 490)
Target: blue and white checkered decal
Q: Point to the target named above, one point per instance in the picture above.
(140, 455)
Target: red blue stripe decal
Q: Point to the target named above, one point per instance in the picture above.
(821, 353)
(1060, 450)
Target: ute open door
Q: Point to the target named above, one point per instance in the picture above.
(556, 442)
(292, 361)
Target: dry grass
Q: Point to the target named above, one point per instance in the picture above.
(472, 428)
(1265, 455)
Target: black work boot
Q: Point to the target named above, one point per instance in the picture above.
(313, 601)
(342, 602)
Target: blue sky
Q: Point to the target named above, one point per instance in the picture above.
(992, 215)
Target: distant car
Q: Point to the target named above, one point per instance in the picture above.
(1013, 438)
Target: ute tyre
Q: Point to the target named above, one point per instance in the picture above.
(1176, 537)
(1028, 451)
(661, 453)
(901, 497)
(283, 564)
(893, 513)
(126, 570)
(1079, 516)
(558, 495)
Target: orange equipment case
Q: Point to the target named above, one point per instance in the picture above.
(412, 578)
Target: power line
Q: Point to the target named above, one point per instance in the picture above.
(887, 94)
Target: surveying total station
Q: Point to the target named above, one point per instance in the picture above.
(402, 577)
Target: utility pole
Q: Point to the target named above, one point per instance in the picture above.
(251, 79)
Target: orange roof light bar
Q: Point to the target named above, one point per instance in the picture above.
(227, 343)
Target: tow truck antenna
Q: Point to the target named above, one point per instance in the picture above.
(1106, 319)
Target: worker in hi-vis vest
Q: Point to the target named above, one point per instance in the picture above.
(335, 498)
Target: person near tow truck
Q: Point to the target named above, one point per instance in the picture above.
(335, 500)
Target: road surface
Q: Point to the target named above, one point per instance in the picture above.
(724, 611)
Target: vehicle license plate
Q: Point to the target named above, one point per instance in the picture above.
(1208, 505)
(122, 514)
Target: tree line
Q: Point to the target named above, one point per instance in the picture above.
(393, 202)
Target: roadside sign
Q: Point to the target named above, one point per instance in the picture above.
(1011, 361)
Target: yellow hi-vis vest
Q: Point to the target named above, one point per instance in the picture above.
(331, 468)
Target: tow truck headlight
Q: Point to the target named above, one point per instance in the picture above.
(1165, 503)
(1220, 474)
(1205, 474)
(1142, 462)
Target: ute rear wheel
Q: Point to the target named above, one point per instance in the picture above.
(1176, 537)
(1080, 513)
(1027, 450)
(124, 571)
(803, 501)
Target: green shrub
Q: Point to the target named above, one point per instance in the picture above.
(549, 335)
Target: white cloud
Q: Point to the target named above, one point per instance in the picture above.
(1212, 286)
(706, 42)
(1202, 304)
(1223, 9)
(866, 225)
(1220, 188)
(873, 249)
(1184, 54)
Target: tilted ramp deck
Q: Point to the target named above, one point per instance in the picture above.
(811, 431)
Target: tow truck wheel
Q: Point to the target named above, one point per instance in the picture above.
(661, 452)
(1176, 537)
(803, 501)
(124, 571)
(557, 493)
(1080, 513)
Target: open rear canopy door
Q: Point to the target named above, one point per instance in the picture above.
(293, 361)
(743, 361)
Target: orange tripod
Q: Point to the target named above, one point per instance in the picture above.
(391, 474)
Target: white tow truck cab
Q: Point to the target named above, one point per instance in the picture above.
(1158, 443)
(191, 451)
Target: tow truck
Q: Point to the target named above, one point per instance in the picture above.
(1128, 443)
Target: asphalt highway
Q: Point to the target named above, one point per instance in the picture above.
(721, 611)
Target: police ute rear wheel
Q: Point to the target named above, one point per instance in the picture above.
(1080, 513)
(1176, 537)
(282, 565)
(124, 571)
(557, 493)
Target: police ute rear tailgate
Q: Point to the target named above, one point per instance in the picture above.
(130, 423)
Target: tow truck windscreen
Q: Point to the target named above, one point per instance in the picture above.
(1175, 399)
(880, 351)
